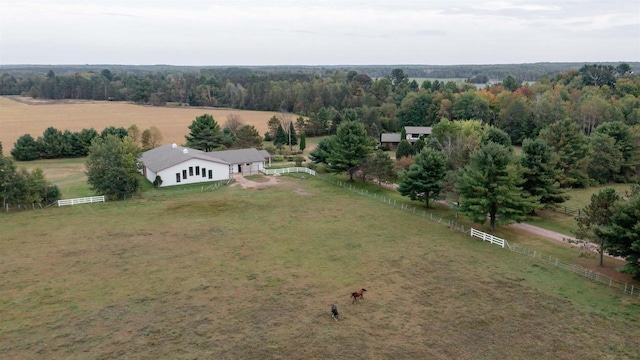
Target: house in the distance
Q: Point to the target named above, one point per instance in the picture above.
(177, 165)
(414, 133)
(390, 140)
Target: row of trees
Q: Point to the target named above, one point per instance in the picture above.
(55, 144)
(23, 187)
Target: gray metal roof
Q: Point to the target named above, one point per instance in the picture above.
(390, 137)
(240, 156)
(166, 156)
(426, 130)
(266, 154)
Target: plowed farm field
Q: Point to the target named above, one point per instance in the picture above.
(20, 115)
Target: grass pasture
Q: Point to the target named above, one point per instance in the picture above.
(562, 219)
(31, 117)
(251, 274)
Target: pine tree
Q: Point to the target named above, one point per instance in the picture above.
(489, 185)
(540, 172)
(281, 137)
(422, 180)
(303, 141)
(293, 139)
(204, 133)
(404, 149)
(350, 147)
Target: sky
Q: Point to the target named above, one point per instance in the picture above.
(331, 32)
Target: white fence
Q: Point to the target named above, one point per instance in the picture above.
(576, 269)
(85, 200)
(488, 237)
(289, 170)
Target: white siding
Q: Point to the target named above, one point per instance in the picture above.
(218, 171)
(247, 169)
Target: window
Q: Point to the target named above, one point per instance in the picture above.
(190, 170)
(210, 174)
(197, 170)
(204, 172)
(177, 177)
(184, 174)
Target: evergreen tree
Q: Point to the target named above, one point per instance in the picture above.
(25, 149)
(112, 130)
(622, 236)
(404, 149)
(572, 148)
(418, 146)
(204, 133)
(303, 141)
(293, 139)
(248, 137)
(422, 180)
(497, 136)
(281, 137)
(381, 167)
(605, 160)
(489, 185)
(599, 212)
(321, 153)
(272, 125)
(540, 172)
(52, 144)
(350, 147)
(85, 137)
(627, 144)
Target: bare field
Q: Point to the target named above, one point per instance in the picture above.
(29, 116)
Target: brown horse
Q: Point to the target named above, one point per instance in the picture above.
(358, 295)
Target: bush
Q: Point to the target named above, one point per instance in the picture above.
(321, 168)
(298, 160)
(278, 158)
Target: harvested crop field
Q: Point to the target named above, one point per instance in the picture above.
(19, 116)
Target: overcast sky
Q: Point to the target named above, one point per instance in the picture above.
(331, 32)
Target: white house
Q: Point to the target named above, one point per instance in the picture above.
(413, 134)
(416, 132)
(177, 165)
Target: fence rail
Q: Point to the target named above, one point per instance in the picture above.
(289, 170)
(85, 200)
(576, 269)
(487, 237)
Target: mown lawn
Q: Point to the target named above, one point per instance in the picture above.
(251, 273)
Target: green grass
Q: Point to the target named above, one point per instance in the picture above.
(67, 174)
(579, 198)
(236, 273)
(562, 219)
